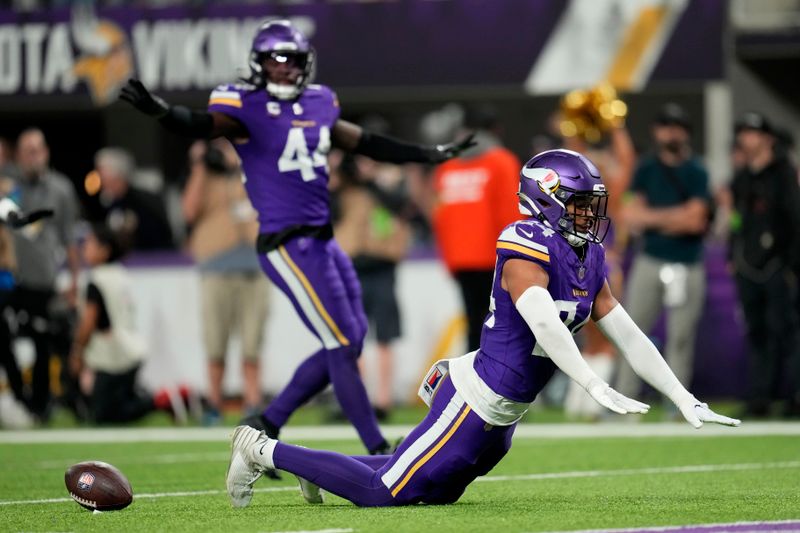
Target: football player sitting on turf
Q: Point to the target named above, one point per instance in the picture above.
(283, 128)
(550, 279)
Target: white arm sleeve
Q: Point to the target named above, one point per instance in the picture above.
(540, 313)
(642, 355)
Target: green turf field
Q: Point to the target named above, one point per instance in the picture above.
(542, 485)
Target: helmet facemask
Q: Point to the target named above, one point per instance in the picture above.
(585, 218)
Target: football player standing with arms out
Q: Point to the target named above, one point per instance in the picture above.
(550, 278)
(283, 127)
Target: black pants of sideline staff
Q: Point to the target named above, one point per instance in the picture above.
(31, 307)
(773, 331)
(475, 287)
(7, 359)
(116, 399)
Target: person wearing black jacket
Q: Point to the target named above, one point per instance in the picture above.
(138, 214)
(764, 250)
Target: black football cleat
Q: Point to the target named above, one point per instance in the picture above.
(260, 423)
(385, 448)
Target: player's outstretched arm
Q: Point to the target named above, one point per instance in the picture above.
(643, 356)
(353, 138)
(526, 282)
(180, 119)
(9, 210)
(11, 214)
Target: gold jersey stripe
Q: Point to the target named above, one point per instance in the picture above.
(524, 250)
(225, 101)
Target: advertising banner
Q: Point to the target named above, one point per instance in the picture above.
(543, 46)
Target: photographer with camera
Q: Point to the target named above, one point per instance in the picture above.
(234, 294)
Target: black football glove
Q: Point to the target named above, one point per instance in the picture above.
(442, 152)
(135, 93)
(30, 218)
(11, 214)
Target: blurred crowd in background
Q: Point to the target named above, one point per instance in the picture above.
(663, 209)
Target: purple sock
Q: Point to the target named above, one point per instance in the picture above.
(310, 378)
(352, 397)
(338, 474)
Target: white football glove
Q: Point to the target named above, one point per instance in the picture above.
(612, 400)
(696, 412)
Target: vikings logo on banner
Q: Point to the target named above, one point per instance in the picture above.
(196, 47)
(105, 62)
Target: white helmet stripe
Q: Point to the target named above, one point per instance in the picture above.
(535, 173)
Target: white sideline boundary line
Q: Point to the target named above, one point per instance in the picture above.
(348, 530)
(685, 469)
(149, 496)
(694, 527)
(346, 432)
(166, 458)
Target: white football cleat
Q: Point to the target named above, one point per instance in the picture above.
(311, 492)
(243, 472)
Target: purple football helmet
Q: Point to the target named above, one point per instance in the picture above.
(281, 41)
(555, 178)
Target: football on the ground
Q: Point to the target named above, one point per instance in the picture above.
(98, 486)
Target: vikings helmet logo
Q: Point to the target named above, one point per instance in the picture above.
(549, 182)
(105, 61)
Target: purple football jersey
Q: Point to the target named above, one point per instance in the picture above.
(509, 361)
(285, 160)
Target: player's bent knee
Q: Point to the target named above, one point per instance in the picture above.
(377, 497)
(344, 353)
